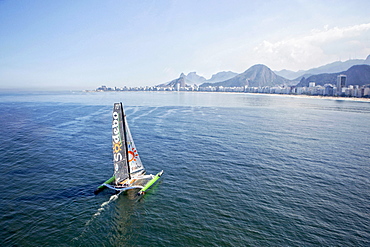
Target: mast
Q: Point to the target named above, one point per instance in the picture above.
(125, 140)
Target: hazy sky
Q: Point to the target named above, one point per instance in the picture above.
(84, 44)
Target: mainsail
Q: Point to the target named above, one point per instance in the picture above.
(126, 159)
(119, 147)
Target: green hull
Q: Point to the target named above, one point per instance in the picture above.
(150, 183)
(102, 187)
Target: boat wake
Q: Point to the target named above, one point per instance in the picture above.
(111, 199)
(98, 212)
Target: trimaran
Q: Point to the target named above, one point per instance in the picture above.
(129, 172)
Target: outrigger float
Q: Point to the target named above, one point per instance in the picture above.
(129, 172)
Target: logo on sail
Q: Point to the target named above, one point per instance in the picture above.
(117, 147)
(117, 144)
(132, 154)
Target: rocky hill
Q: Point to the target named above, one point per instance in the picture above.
(260, 75)
(331, 68)
(193, 78)
(221, 76)
(356, 75)
(256, 76)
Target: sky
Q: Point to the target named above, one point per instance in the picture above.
(74, 45)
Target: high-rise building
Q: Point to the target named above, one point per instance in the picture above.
(341, 82)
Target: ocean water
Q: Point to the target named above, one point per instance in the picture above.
(239, 170)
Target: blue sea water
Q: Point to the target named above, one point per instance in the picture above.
(240, 170)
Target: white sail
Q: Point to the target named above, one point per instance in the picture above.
(135, 165)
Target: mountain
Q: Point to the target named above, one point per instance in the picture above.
(259, 75)
(334, 67)
(180, 80)
(193, 78)
(289, 74)
(256, 76)
(222, 76)
(356, 75)
(183, 80)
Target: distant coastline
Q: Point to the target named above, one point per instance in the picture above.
(317, 97)
(238, 92)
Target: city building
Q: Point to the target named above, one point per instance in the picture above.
(341, 83)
